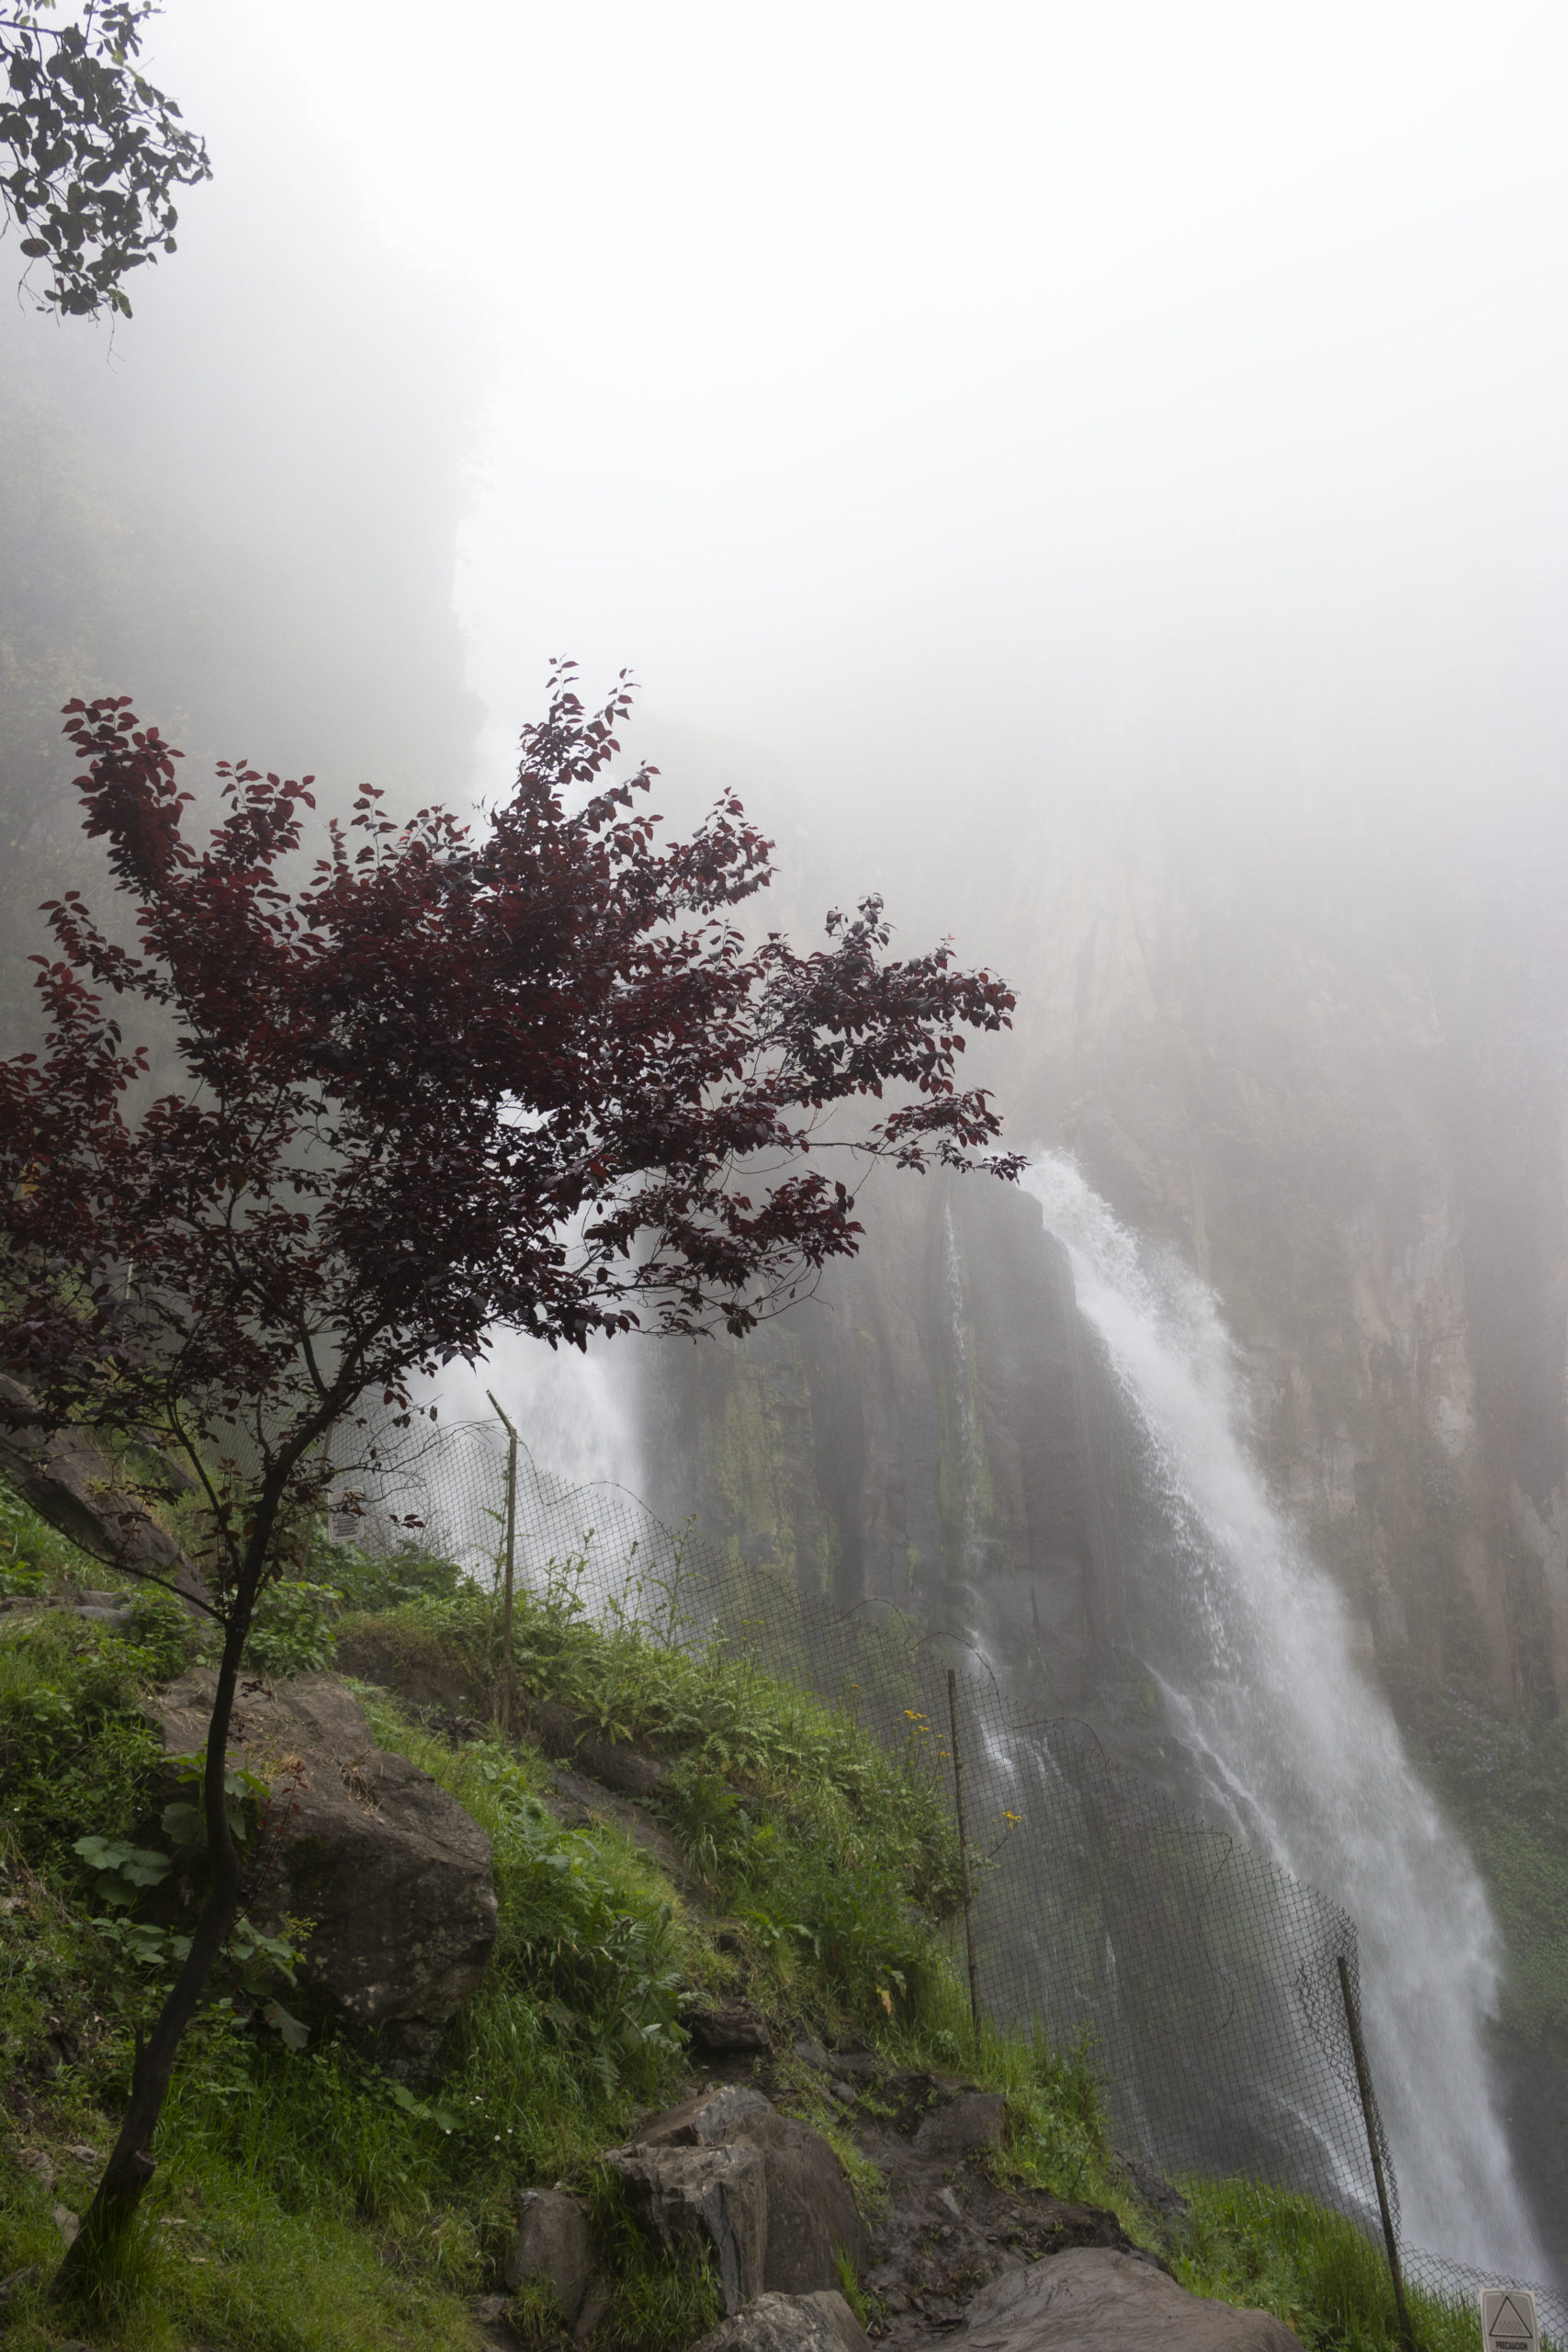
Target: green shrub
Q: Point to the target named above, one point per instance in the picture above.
(591, 1959)
(294, 1629)
(165, 1631)
(76, 1753)
(385, 1581)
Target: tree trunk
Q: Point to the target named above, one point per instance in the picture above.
(130, 2165)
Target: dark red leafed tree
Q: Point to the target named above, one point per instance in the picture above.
(529, 1075)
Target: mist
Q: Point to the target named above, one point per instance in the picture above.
(1096, 477)
(974, 425)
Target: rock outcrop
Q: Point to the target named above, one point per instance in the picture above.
(820, 2323)
(702, 2203)
(394, 1875)
(810, 2215)
(65, 1475)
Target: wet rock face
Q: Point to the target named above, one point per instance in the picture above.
(396, 1876)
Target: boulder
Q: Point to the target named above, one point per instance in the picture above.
(812, 2214)
(64, 1475)
(724, 2028)
(811, 2211)
(695, 2200)
(552, 2244)
(963, 2127)
(821, 2322)
(620, 1764)
(395, 1876)
(710, 2120)
(1096, 2301)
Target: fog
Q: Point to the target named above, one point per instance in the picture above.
(1095, 475)
(958, 418)
(964, 410)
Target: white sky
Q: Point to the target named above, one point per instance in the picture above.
(949, 399)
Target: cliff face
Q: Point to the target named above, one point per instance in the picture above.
(1338, 1089)
(936, 1430)
(1340, 1093)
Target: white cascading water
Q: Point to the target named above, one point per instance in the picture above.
(1250, 1649)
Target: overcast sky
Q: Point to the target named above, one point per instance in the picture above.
(963, 406)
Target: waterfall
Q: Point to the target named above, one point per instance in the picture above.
(964, 1407)
(572, 1408)
(1247, 1645)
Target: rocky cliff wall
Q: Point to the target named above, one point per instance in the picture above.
(936, 1430)
(1336, 1088)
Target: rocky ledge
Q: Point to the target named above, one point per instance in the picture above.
(731, 2176)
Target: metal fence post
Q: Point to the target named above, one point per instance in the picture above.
(1364, 2084)
(509, 1671)
(963, 1856)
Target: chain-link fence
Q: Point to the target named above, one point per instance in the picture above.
(1207, 1978)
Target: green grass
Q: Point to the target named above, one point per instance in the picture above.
(840, 1864)
(1312, 2269)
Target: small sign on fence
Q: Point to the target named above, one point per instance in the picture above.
(1509, 2322)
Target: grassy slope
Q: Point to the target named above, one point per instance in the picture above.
(302, 2202)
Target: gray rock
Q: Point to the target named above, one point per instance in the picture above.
(821, 2322)
(966, 2125)
(552, 2244)
(394, 1874)
(810, 2052)
(621, 1765)
(694, 2200)
(710, 2120)
(1094, 2300)
(601, 2291)
(65, 1476)
(727, 2027)
(811, 2211)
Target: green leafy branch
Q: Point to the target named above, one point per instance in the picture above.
(96, 153)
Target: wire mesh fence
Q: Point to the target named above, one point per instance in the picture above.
(1207, 1979)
